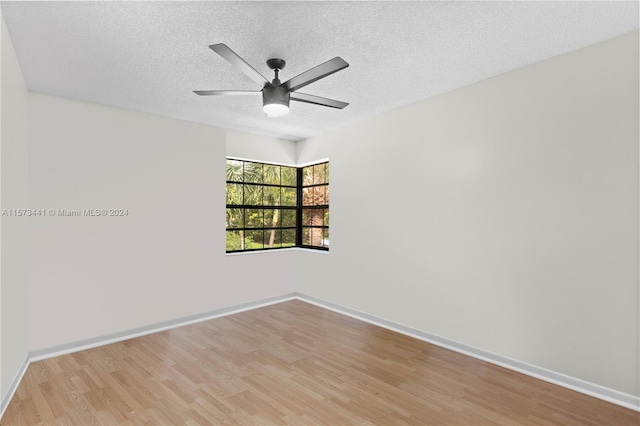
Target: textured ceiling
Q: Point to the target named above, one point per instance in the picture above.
(149, 56)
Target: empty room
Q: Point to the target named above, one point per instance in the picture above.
(319, 213)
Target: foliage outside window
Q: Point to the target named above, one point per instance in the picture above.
(271, 206)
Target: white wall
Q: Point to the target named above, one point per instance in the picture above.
(13, 230)
(503, 215)
(92, 276)
(312, 151)
(248, 146)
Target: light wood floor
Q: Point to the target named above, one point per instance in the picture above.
(291, 363)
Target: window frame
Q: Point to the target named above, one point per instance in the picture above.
(303, 207)
(298, 208)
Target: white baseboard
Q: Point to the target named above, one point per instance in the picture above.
(14, 385)
(153, 328)
(592, 389)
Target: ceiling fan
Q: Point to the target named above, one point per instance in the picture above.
(276, 95)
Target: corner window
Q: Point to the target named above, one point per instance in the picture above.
(271, 206)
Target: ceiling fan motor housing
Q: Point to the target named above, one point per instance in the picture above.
(275, 95)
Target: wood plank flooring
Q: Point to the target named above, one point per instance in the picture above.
(290, 363)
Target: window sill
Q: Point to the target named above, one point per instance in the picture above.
(242, 253)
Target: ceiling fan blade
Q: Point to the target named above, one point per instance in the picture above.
(226, 92)
(318, 100)
(316, 73)
(233, 58)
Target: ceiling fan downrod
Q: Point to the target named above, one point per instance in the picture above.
(277, 65)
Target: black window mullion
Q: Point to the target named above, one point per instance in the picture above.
(299, 178)
(267, 184)
(311, 185)
(253, 206)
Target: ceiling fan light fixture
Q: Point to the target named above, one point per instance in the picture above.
(275, 101)
(275, 110)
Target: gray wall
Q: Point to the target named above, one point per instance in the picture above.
(503, 215)
(14, 267)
